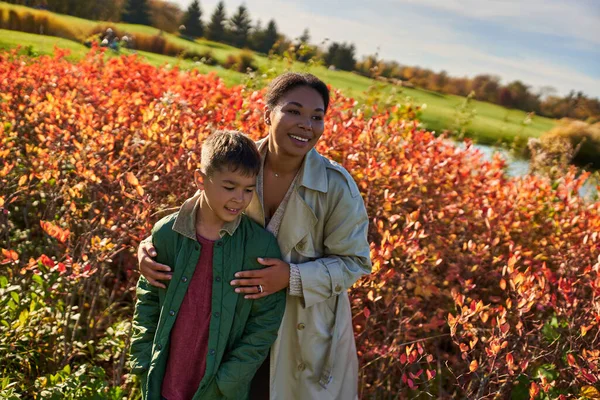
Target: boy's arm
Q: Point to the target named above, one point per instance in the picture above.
(147, 307)
(241, 363)
(145, 321)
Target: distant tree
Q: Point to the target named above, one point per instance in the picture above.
(165, 15)
(485, 87)
(269, 37)
(136, 12)
(440, 80)
(239, 27)
(216, 26)
(192, 20)
(519, 93)
(342, 56)
(505, 98)
(305, 37)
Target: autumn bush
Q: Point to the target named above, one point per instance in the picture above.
(38, 22)
(241, 62)
(483, 286)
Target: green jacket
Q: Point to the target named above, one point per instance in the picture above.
(241, 331)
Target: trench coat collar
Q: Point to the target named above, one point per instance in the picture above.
(313, 172)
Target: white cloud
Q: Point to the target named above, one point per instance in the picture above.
(404, 35)
(567, 18)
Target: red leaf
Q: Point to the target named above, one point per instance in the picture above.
(430, 374)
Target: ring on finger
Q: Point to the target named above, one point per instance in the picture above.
(260, 289)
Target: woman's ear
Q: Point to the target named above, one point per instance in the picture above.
(199, 177)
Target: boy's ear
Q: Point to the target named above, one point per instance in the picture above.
(267, 115)
(199, 177)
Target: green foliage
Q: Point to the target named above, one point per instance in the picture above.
(341, 56)
(192, 20)
(216, 27)
(463, 116)
(239, 27)
(136, 12)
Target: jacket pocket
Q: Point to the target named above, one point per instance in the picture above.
(307, 250)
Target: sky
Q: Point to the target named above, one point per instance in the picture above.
(540, 42)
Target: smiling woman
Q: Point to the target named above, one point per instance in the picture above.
(315, 210)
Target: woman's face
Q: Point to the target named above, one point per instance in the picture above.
(296, 121)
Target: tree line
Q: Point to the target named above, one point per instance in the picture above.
(239, 30)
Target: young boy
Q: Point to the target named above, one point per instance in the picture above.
(198, 339)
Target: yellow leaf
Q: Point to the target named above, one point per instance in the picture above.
(140, 190)
(23, 180)
(590, 392)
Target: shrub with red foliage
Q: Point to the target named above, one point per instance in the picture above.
(483, 285)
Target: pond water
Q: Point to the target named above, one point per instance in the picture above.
(518, 166)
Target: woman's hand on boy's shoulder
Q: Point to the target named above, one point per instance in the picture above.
(272, 279)
(150, 269)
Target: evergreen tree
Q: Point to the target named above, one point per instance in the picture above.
(136, 12)
(216, 27)
(240, 25)
(305, 38)
(192, 22)
(269, 37)
(256, 36)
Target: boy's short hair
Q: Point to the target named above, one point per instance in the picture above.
(232, 150)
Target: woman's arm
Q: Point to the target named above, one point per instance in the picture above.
(346, 255)
(151, 270)
(346, 249)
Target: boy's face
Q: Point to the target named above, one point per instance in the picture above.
(227, 193)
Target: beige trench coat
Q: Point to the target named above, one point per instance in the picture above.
(324, 232)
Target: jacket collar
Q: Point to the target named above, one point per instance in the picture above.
(313, 172)
(185, 222)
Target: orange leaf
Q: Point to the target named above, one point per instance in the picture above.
(473, 366)
(131, 179)
(534, 390)
(571, 360)
(509, 359)
(55, 231)
(9, 256)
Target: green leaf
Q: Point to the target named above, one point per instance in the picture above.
(38, 279)
(521, 389)
(15, 296)
(547, 371)
(3, 281)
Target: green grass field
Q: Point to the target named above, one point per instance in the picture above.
(492, 123)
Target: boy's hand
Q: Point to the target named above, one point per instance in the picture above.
(150, 268)
(274, 278)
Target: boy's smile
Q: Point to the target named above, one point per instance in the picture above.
(226, 195)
